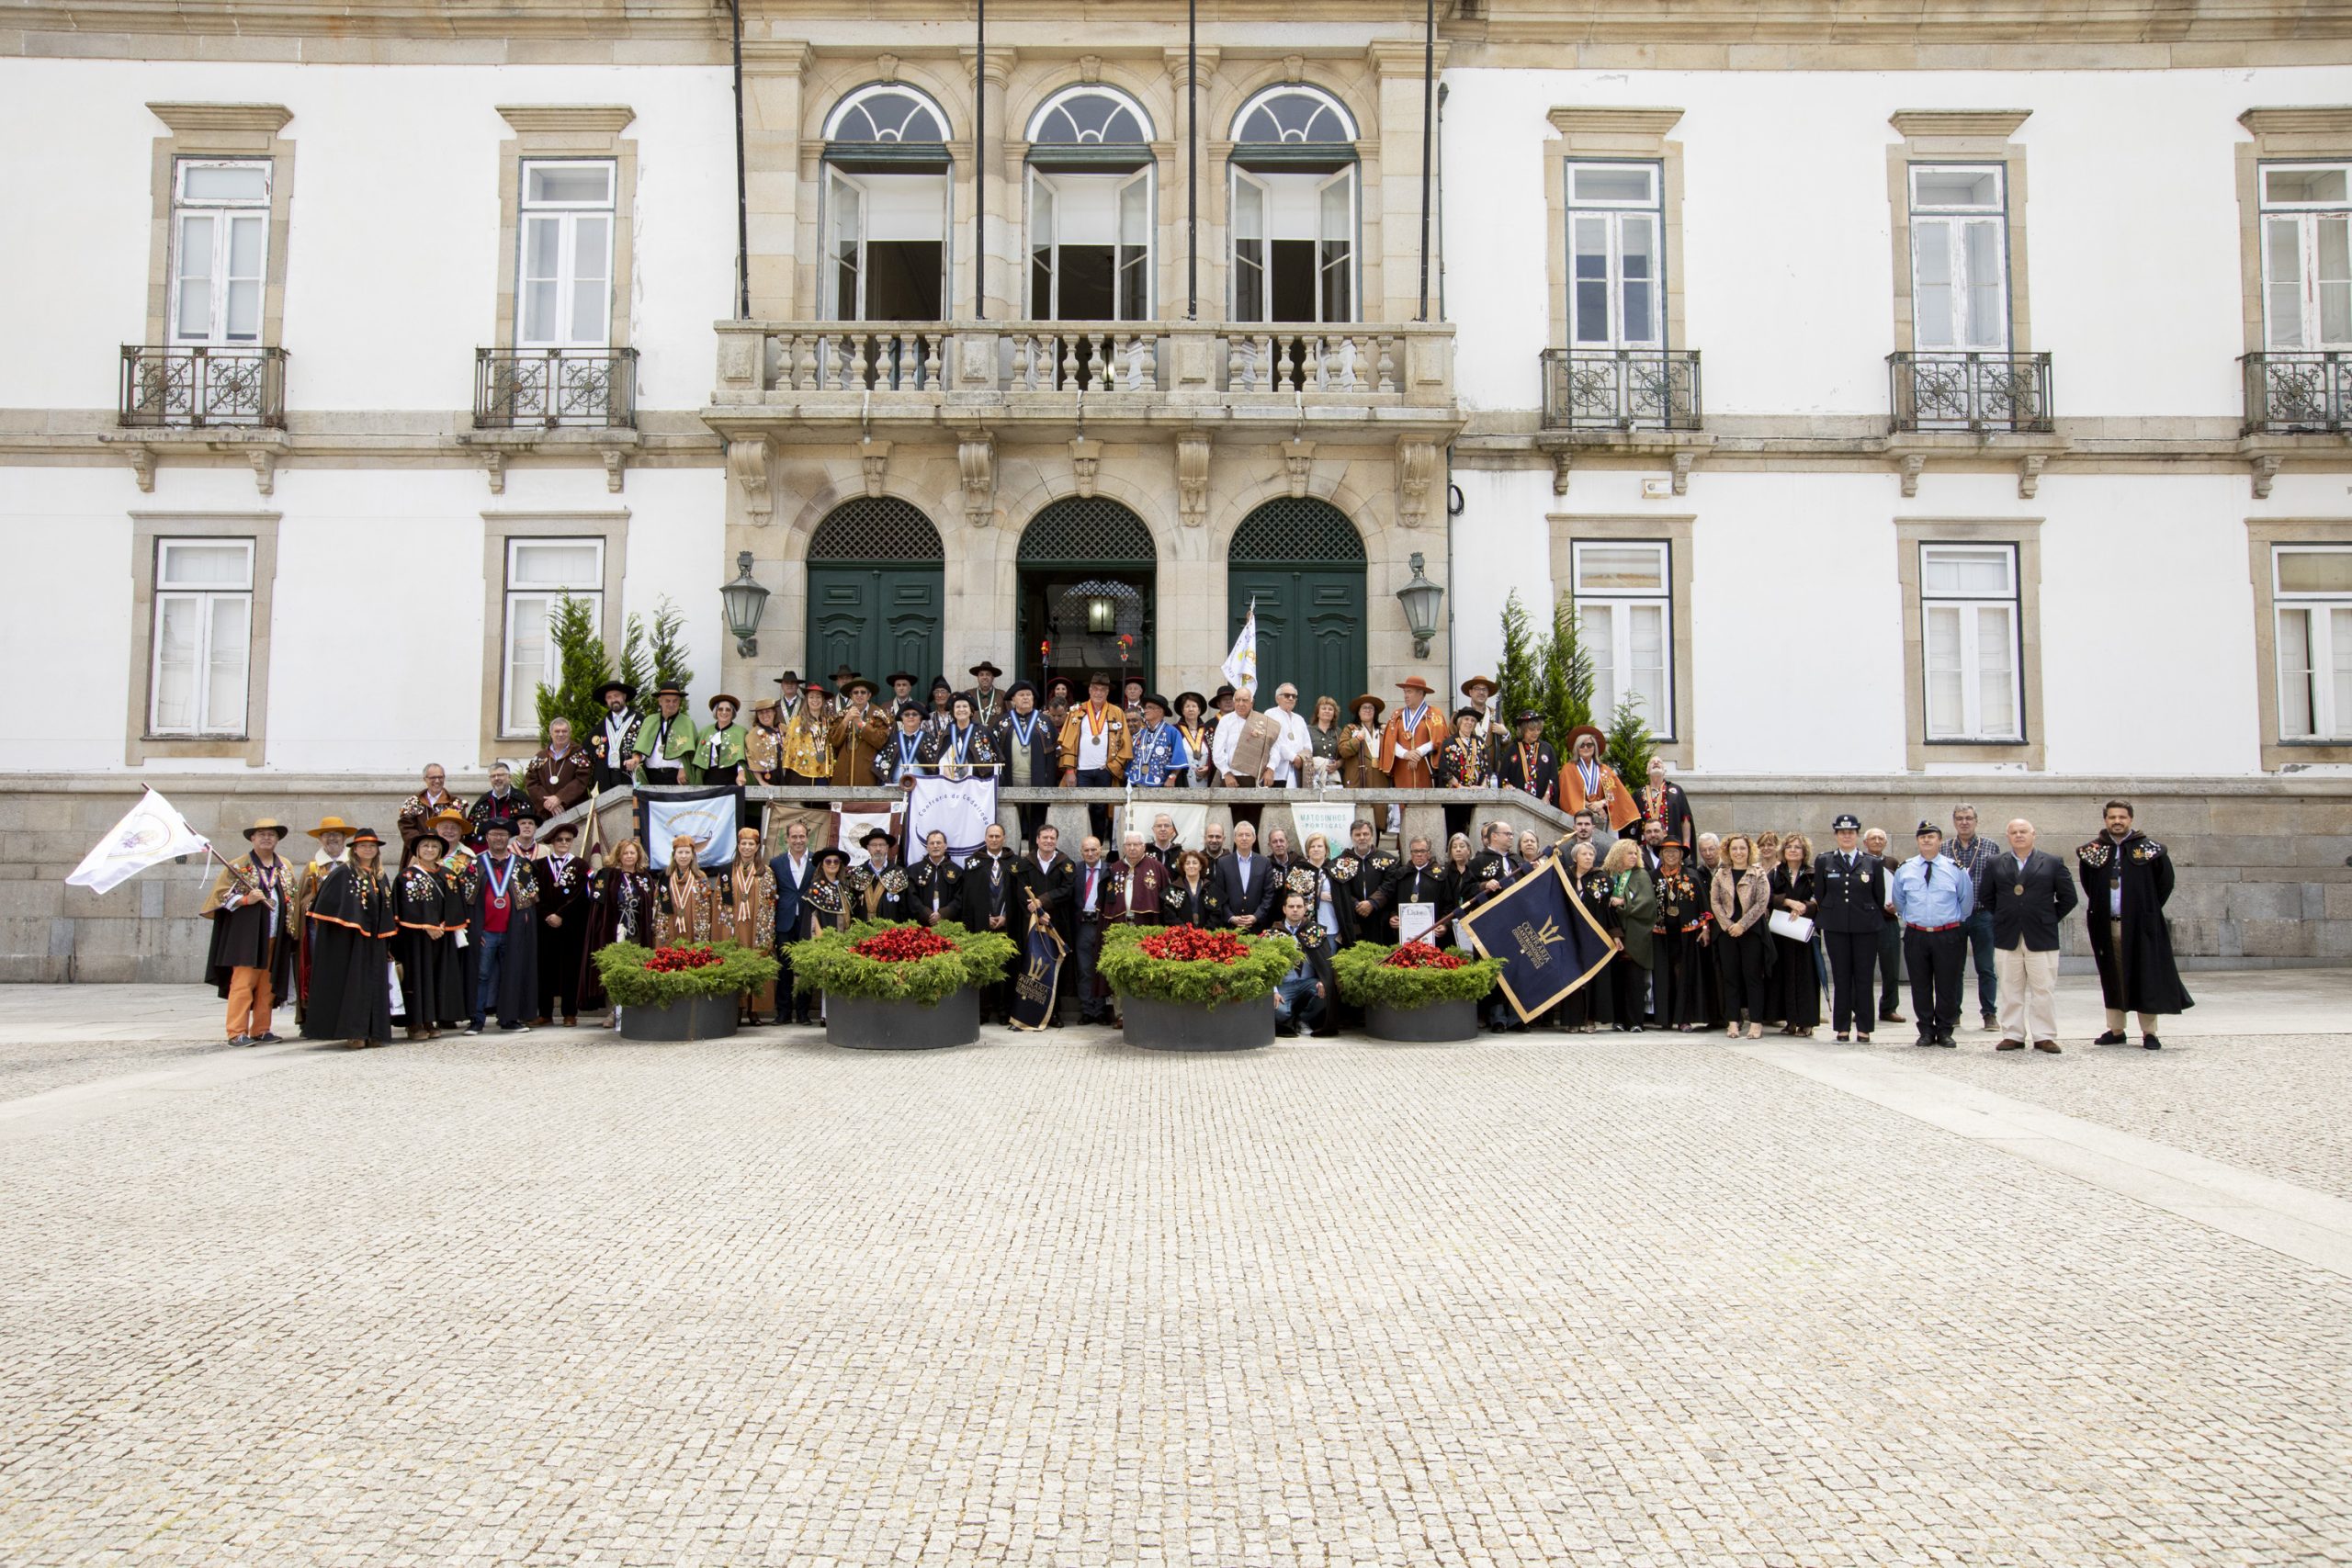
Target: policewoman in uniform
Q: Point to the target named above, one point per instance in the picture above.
(1851, 884)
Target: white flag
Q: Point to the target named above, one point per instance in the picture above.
(1241, 670)
(961, 808)
(152, 833)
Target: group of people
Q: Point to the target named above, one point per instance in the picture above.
(482, 918)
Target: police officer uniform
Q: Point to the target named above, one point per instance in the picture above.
(1851, 887)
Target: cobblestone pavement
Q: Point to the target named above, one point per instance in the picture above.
(557, 1299)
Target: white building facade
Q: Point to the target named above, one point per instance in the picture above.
(1912, 409)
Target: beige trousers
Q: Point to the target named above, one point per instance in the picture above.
(2028, 990)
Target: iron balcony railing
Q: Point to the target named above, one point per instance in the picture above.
(192, 386)
(1621, 389)
(1980, 392)
(522, 388)
(2287, 393)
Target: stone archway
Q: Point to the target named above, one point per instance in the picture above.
(1088, 580)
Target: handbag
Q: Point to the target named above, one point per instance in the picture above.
(1796, 927)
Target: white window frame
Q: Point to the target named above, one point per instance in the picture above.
(2297, 225)
(882, 89)
(1947, 226)
(224, 217)
(837, 180)
(1342, 250)
(1620, 603)
(204, 602)
(2329, 724)
(1145, 177)
(517, 592)
(568, 217)
(1093, 90)
(1969, 725)
(1616, 217)
(1326, 101)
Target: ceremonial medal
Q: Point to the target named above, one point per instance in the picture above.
(2019, 890)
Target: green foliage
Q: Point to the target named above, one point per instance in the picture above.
(630, 984)
(634, 668)
(1366, 983)
(1630, 743)
(825, 962)
(670, 666)
(581, 664)
(1517, 679)
(1135, 973)
(1566, 669)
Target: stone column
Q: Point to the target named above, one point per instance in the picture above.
(996, 169)
(1392, 207)
(772, 111)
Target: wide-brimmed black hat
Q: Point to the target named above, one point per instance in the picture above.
(790, 678)
(1195, 696)
(562, 830)
(369, 836)
(1221, 694)
(839, 856)
(895, 676)
(941, 683)
(855, 682)
(910, 707)
(1529, 716)
(627, 692)
(984, 668)
(1154, 700)
(874, 833)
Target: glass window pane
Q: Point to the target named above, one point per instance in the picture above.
(224, 704)
(1599, 634)
(178, 621)
(1996, 671)
(2295, 673)
(1590, 301)
(1946, 717)
(527, 625)
(1618, 569)
(2340, 643)
(1931, 247)
(590, 289)
(1645, 629)
(2314, 571)
(576, 564)
(1614, 183)
(570, 183)
(235, 182)
(1988, 315)
(2335, 255)
(195, 269)
(1636, 242)
(1947, 569)
(1934, 186)
(224, 565)
(2303, 184)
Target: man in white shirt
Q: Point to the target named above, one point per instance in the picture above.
(1297, 744)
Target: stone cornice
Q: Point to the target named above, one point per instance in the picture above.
(1401, 57)
(567, 120)
(2314, 119)
(197, 119)
(1994, 124)
(1574, 121)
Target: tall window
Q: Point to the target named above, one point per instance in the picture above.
(1616, 256)
(1624, 602)
(539, 572)
(219, 249)
(203, 637)
(2306, 255)
(565, 267)
(1090, 207)
(887, 196)
(1969, 623)
(1960, 249)
(2312, 589)
(1294, 203)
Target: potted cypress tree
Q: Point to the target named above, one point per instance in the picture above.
(1182, 989)
(898, 986)
(1416, 992)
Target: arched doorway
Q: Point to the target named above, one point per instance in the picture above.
(1088, 574)
(876, 571)
(1301, 562)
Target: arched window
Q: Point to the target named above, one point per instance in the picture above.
(1091, 223)
(884, 225)
(1293, 251)
(1294, 116)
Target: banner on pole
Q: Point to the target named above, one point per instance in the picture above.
(709, 816)
(149, 834)
(1040, 975)
(961, 808)
(1240, 666)
(1546, 939)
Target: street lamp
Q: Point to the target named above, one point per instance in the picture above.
(1420, 598)
(745, 601)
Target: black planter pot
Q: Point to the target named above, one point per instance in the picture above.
(1188, 1026)
(701, 1017)
(1438, 1020)
(863, 1024)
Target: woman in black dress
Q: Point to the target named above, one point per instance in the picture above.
(1796, 991)
(352, 948)
(1588, 1007)
(828, 902)
(1190, 900)
(1678, 946)
(620, 908)
(428, 910)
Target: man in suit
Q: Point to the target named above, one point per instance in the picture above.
(1092, 899)
(1049, 887)
(1164, 847)
(794, 870)
(1303, 999)
(1852, 885)
(2027, 892)
(1245, 879)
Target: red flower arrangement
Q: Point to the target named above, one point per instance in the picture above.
(904, 944)
(1187, 942)
(678, 960)
(1421, 955)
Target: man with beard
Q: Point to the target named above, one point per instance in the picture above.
(1420, 880)
(860, 731)
(333, 834)
(615, 742)
(1359, 878)
(987, 703)
(2127, 879)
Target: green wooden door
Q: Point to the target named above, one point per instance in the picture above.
(874, 619)
(1302, 561)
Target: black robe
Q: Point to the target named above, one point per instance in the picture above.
(242, 939)
(428, 904)
(620, 908)
(351, 957)
(563, 893)
(1543, 781)
(518, 970)
(1202, 906)
(980, 899)
(2136, 972)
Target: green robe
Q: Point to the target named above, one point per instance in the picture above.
(678, 750)
(730, 742)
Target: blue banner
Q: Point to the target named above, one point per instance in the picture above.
(708, 814)
(1040, 975)
(1545, 939)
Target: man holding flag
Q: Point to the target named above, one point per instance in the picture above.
(252, 958)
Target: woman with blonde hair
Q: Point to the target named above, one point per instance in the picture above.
(1323, 732)
(1741, 896)
(1589, 1005)
(1796, 990)
(1634, 895)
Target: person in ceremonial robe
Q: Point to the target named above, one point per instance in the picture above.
(561, 775)
(1193, 896)
(251, 958)
(1131, 701)
(667, 739)
(1096, 747)
(1325, 904)
(1590, 781)
(1529, 764)
(825, 903)
(1632, 896)
(763, 745)
(1057, 700)
(1305, 997)
(718, 749)
(682, 911)
(351, 984)
(1462, 763)
(503, 928)
(334, 835)
(1681, 938)
(1410, 741)
(1661, 801)
(1138, 881)
(1359, 875)
(1161, 757)
(1047, 884)
(938, 889)
(879, 884)
(1199, 738)
(1250, 752)
(1419, 879)
(963, 750)
(613, 745)
(428, 910)
(988, 887)
(1588, 1007)
(421, 808)
(500, 803)
(619, 910)
(563, 926)
(860, 730)
(742, 911)
(2127, 879)
(988, 701)
(1031, 748)
(1796, 986)
(900, 761)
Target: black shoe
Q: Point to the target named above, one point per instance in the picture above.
(1841, 1037)
(1946, 1041)
(2111, 1038)
(2150, 1042)
(474, 1029)
(1862, 1039)
(265, 1040)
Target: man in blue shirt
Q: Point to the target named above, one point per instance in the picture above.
(1933, 899)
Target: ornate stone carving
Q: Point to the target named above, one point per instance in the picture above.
(616, 461)
(874, 456)
(2030, 475)
(142, 466)
(1192, 477)
(1683, 461)
(885, 67)
(747, 464)
(1562, 461)
(264, 462)
(493, 464)
(1415, 466)
(1085, 462)
(1913, 466)
(976, 462)
(1298, 458)
(2265, 470)
(1090, 69)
